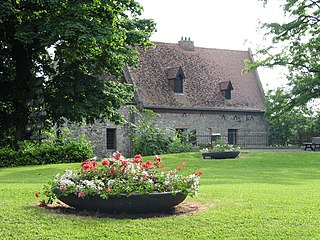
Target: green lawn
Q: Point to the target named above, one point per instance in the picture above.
(261, 195)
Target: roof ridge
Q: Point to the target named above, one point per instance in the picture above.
(222, 49)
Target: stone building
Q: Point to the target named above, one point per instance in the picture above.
(197, 90)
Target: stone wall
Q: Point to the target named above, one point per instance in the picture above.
(97, 134)
(248, 125)
(204, 123)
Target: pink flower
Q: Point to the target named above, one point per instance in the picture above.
(170, 172)
(81, 194)
(63, 188)
(184, 163)
(105, 162)
(117, 156)
(148, 163)
(162, 165)
(108, 190)
(157, 160)
(113, 170)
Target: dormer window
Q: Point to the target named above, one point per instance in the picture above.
(176, 78)
(225, 88)
(178, 84)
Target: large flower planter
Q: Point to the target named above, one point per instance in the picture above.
(220, 155)
(137, 203)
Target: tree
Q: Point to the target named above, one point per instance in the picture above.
(54, 54)
(296, 45)
(288, 128)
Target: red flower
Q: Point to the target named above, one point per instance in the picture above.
(200, 172)
(92, 165)
(63, 188)
(179, 168)
(123, 169)
(137, 158)
(81, 194)
(149, 163)
(43, 203)
(170, 172)
(144, 176)
(162, 165)
(117, 156)
(37, 194)
(109, 190)
(105, 162)
(184, 163)
(124, 162)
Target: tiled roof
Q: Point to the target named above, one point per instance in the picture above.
(204, 69)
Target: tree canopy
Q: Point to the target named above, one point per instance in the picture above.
(295, 126)
(296, 45)
(54, 54)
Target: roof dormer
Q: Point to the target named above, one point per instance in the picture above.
(176, 77)
(225, 88)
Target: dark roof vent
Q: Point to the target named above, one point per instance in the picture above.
(186, 44)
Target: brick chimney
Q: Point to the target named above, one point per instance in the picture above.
(186, 44)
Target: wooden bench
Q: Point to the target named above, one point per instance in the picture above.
(312, 145)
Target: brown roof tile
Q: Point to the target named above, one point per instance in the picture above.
(205, 69)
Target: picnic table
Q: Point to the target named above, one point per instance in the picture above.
(315, 143)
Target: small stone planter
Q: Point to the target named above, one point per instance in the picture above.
(137, 203)
(220, 155)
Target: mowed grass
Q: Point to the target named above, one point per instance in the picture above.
(261, 195)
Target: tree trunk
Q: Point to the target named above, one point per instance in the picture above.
(23, 90)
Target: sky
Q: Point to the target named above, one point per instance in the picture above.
(224, 24)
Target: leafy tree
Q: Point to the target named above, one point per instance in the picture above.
(296, 45)
(54, 54)
(287, 128)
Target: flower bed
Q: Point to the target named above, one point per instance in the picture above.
(220, 150)
(121, 178)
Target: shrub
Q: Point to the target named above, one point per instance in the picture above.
(176, 146)
(55, 150)
(149, 139)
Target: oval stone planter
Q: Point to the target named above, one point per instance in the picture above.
(220, 155)
(137, 203)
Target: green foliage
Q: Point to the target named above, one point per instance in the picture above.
(286, 125)
(295, 44)
(178, 146)
(57, 150)
(73, 47)
(149, 139)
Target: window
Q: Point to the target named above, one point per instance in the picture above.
(227, 94)
(176, 78)
(178, 84)
(111, 138)
(232, 136)
(225, 88)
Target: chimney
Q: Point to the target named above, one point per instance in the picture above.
(186, 45)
